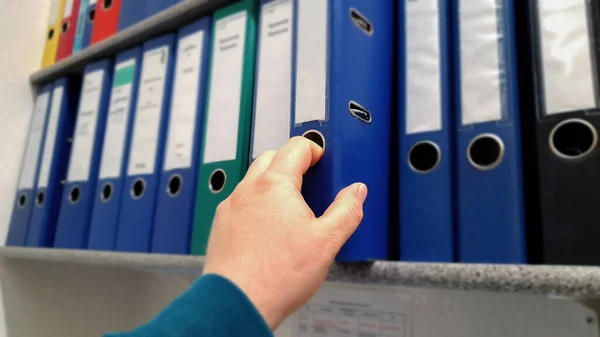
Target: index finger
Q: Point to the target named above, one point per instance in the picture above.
(295, 158)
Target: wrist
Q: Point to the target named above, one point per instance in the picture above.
(262, 299)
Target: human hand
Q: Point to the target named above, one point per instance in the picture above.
(268, 242)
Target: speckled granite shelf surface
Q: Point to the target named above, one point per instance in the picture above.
(581, 282)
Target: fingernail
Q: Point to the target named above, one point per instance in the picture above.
(362, 192)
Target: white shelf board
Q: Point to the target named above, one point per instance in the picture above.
(108, 259)
(167, 21)
(577, 282)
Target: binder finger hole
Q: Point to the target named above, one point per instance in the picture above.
(316, 137)
(107, 4)
(40, 198)
(573, 138)
(138, 188)
(217, 180)
(106, 193)
(361, 21)
(22, 200)
(359, 112)
(50, 34)
(424, 157)
(485, 152)
(92, 15)
(65, 27)
(74, 195)
(175, 183)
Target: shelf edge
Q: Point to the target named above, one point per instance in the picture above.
(575, 282)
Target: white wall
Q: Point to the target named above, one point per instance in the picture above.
(22, 34)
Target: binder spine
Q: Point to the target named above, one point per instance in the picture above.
(68, 28)
(107, 20)
(426, 207)
(334, 105)
(140, 190)
(228, 172)
(81, 25)
(21, 215)
(132, 12)
(48, 195)
(564, 125)
(153, 7)
(53, 32)
(360, 107)
(490, 186)
(178, 183)
(108, 195)
(90, 18)
(311, 117)
(73, 225)
(272, 95)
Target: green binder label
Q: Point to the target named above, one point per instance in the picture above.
(124, 75)
(117, 120)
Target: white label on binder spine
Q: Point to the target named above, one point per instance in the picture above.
(184, 104)
(273, 88)
(50, 139)
(85, 130)
(144, 142)
(117, 120)
(68, 9)
(423, 92)
(566, 56)
(92, 2)
(311, 62)
(54, 13)
(480, 71)
(225, 89)
(34, 139)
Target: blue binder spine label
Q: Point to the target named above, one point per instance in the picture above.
(50, 140)
(148, 112)
(184, 103)
(81, 22)
(311, 62)
(33, 147)
(225, 89)
(273, 92)
(423, 83)
(480, 61)
(118, 117)
(567, 52)
(85, 130)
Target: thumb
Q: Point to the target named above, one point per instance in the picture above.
(346, 212)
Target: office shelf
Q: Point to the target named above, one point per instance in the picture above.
(164, 22)
(108, 259)
(578, 282)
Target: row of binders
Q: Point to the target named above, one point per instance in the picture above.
(491, 136)
(74, 25)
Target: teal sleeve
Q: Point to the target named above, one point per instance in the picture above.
(213, 306)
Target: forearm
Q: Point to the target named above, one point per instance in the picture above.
(213, 306)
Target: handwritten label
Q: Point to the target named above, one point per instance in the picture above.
(148, 112)
(85, 130)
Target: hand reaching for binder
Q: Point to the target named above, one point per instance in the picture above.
(266, 239)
